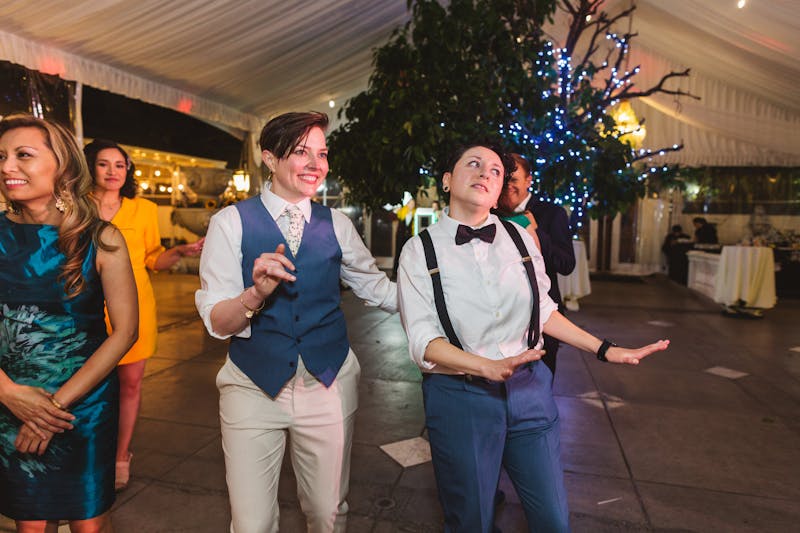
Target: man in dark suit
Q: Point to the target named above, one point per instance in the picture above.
(555, 238)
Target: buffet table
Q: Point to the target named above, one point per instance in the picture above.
(746, 277)
(576, 284)
(740, 278)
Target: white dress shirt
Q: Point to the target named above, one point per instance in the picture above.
(486, 291)
(221, 262)
(523, 205)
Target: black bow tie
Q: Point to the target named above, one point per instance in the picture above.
(465, 233)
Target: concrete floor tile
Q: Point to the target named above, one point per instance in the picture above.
(185, 393)
(198, 473)
(744, 453)
(687, 389)
(388, 411)
(605, 498)
(684, 508)
(186, 341)
(163, 508)
(419, 477)
(171, 438)
(373, 464)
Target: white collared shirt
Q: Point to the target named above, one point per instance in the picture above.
(221, 262)
(523, 205)
(486, 290)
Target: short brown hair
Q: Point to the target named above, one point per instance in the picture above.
(282, 134)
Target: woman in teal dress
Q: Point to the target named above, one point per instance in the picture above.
(58, 393)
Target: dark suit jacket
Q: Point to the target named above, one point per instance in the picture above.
(555, 237)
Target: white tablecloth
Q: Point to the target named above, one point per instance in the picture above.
(576, 284)
(746, 273)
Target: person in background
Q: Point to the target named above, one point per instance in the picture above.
(676, 234)
(553, 237)
(137, 219)
(437, 210)
(405, 229)
(269, 281)
(59, 262)
(473, 297)
(704, 233)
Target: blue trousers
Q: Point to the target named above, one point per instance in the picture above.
(475, 426)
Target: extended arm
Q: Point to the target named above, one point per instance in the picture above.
(559, 327)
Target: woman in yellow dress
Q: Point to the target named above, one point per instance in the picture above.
(137, 219)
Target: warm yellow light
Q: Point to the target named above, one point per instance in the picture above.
(138, 173)
(144, 185)
(241, 181)
(157, 173)
(628, 129)
(741, 4)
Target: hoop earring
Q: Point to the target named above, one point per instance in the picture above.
(446, 188)
(13, 209)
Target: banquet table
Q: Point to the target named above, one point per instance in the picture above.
(746, 277)
(576, 284)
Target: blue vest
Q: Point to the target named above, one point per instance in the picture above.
(301, 318)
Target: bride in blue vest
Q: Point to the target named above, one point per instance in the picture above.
(269, 274)
(473, 295)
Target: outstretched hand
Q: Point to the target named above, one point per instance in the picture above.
(502, 369)
(632, 356)
(270, 269)
(192, 249)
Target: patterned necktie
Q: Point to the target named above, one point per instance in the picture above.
(464, 234)
(294, 233)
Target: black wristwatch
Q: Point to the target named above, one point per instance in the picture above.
(601, 352)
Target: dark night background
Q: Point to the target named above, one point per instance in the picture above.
(112, 116)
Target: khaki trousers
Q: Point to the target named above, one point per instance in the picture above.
(319, 424)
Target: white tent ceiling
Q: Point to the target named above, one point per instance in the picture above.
(237, 62)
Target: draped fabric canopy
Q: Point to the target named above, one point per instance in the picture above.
(238, 62)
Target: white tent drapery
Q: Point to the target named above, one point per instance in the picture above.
(237, 62)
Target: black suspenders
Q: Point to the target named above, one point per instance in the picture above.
(438, 294)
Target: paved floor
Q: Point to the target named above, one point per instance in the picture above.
(666, 446)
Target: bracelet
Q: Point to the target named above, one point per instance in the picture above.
(250, 311)
(56, 403)
(601, 352)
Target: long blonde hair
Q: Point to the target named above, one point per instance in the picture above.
(81, 224)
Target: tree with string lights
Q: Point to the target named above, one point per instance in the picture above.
(478, 68)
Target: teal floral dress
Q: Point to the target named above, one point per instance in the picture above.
(45, 338)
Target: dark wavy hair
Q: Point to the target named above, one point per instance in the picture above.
(73, 184)
(91, 150)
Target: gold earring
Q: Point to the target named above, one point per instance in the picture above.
(61, 205)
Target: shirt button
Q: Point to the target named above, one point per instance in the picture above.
(497, 314)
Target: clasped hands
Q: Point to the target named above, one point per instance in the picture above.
(270, 269)
(41, 419)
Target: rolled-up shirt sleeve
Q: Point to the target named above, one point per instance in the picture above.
(415, 299)
(359, 270)
(221, 267)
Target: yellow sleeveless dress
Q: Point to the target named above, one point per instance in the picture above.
(137, 219)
